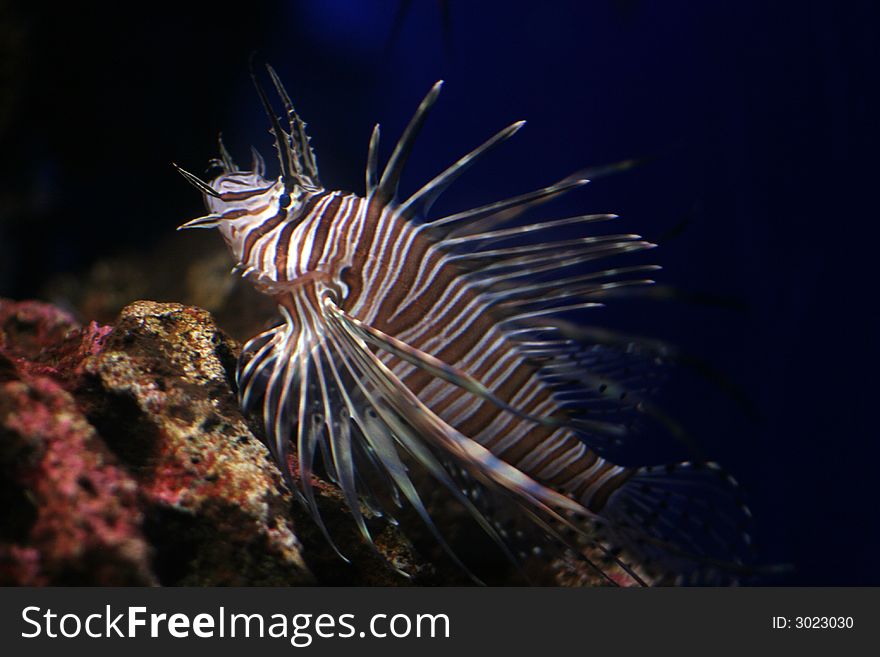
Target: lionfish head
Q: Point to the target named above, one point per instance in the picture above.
(238, 195)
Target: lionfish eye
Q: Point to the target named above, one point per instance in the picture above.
(284, 200)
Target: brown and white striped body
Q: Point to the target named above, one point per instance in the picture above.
(446, 340)
(402, 283)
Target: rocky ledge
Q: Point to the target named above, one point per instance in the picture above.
(124, 460)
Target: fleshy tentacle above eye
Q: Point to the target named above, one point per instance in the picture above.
(298, 143)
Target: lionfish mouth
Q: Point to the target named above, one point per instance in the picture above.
(454, 350)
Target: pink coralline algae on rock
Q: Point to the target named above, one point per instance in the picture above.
(70, 514)
(41, 339)
(77, 519)
(124, 459)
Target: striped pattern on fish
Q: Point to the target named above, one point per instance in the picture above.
(444, 341)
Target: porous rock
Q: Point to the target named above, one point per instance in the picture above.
(125, 459)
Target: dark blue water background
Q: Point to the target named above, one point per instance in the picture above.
(759, 119)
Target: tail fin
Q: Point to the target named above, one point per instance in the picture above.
(684, 523)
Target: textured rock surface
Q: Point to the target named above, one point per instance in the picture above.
(71, 515)
(124, 459)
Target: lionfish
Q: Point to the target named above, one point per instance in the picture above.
(446, 342)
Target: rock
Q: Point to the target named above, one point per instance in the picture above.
(125, 460)
(71, 513)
